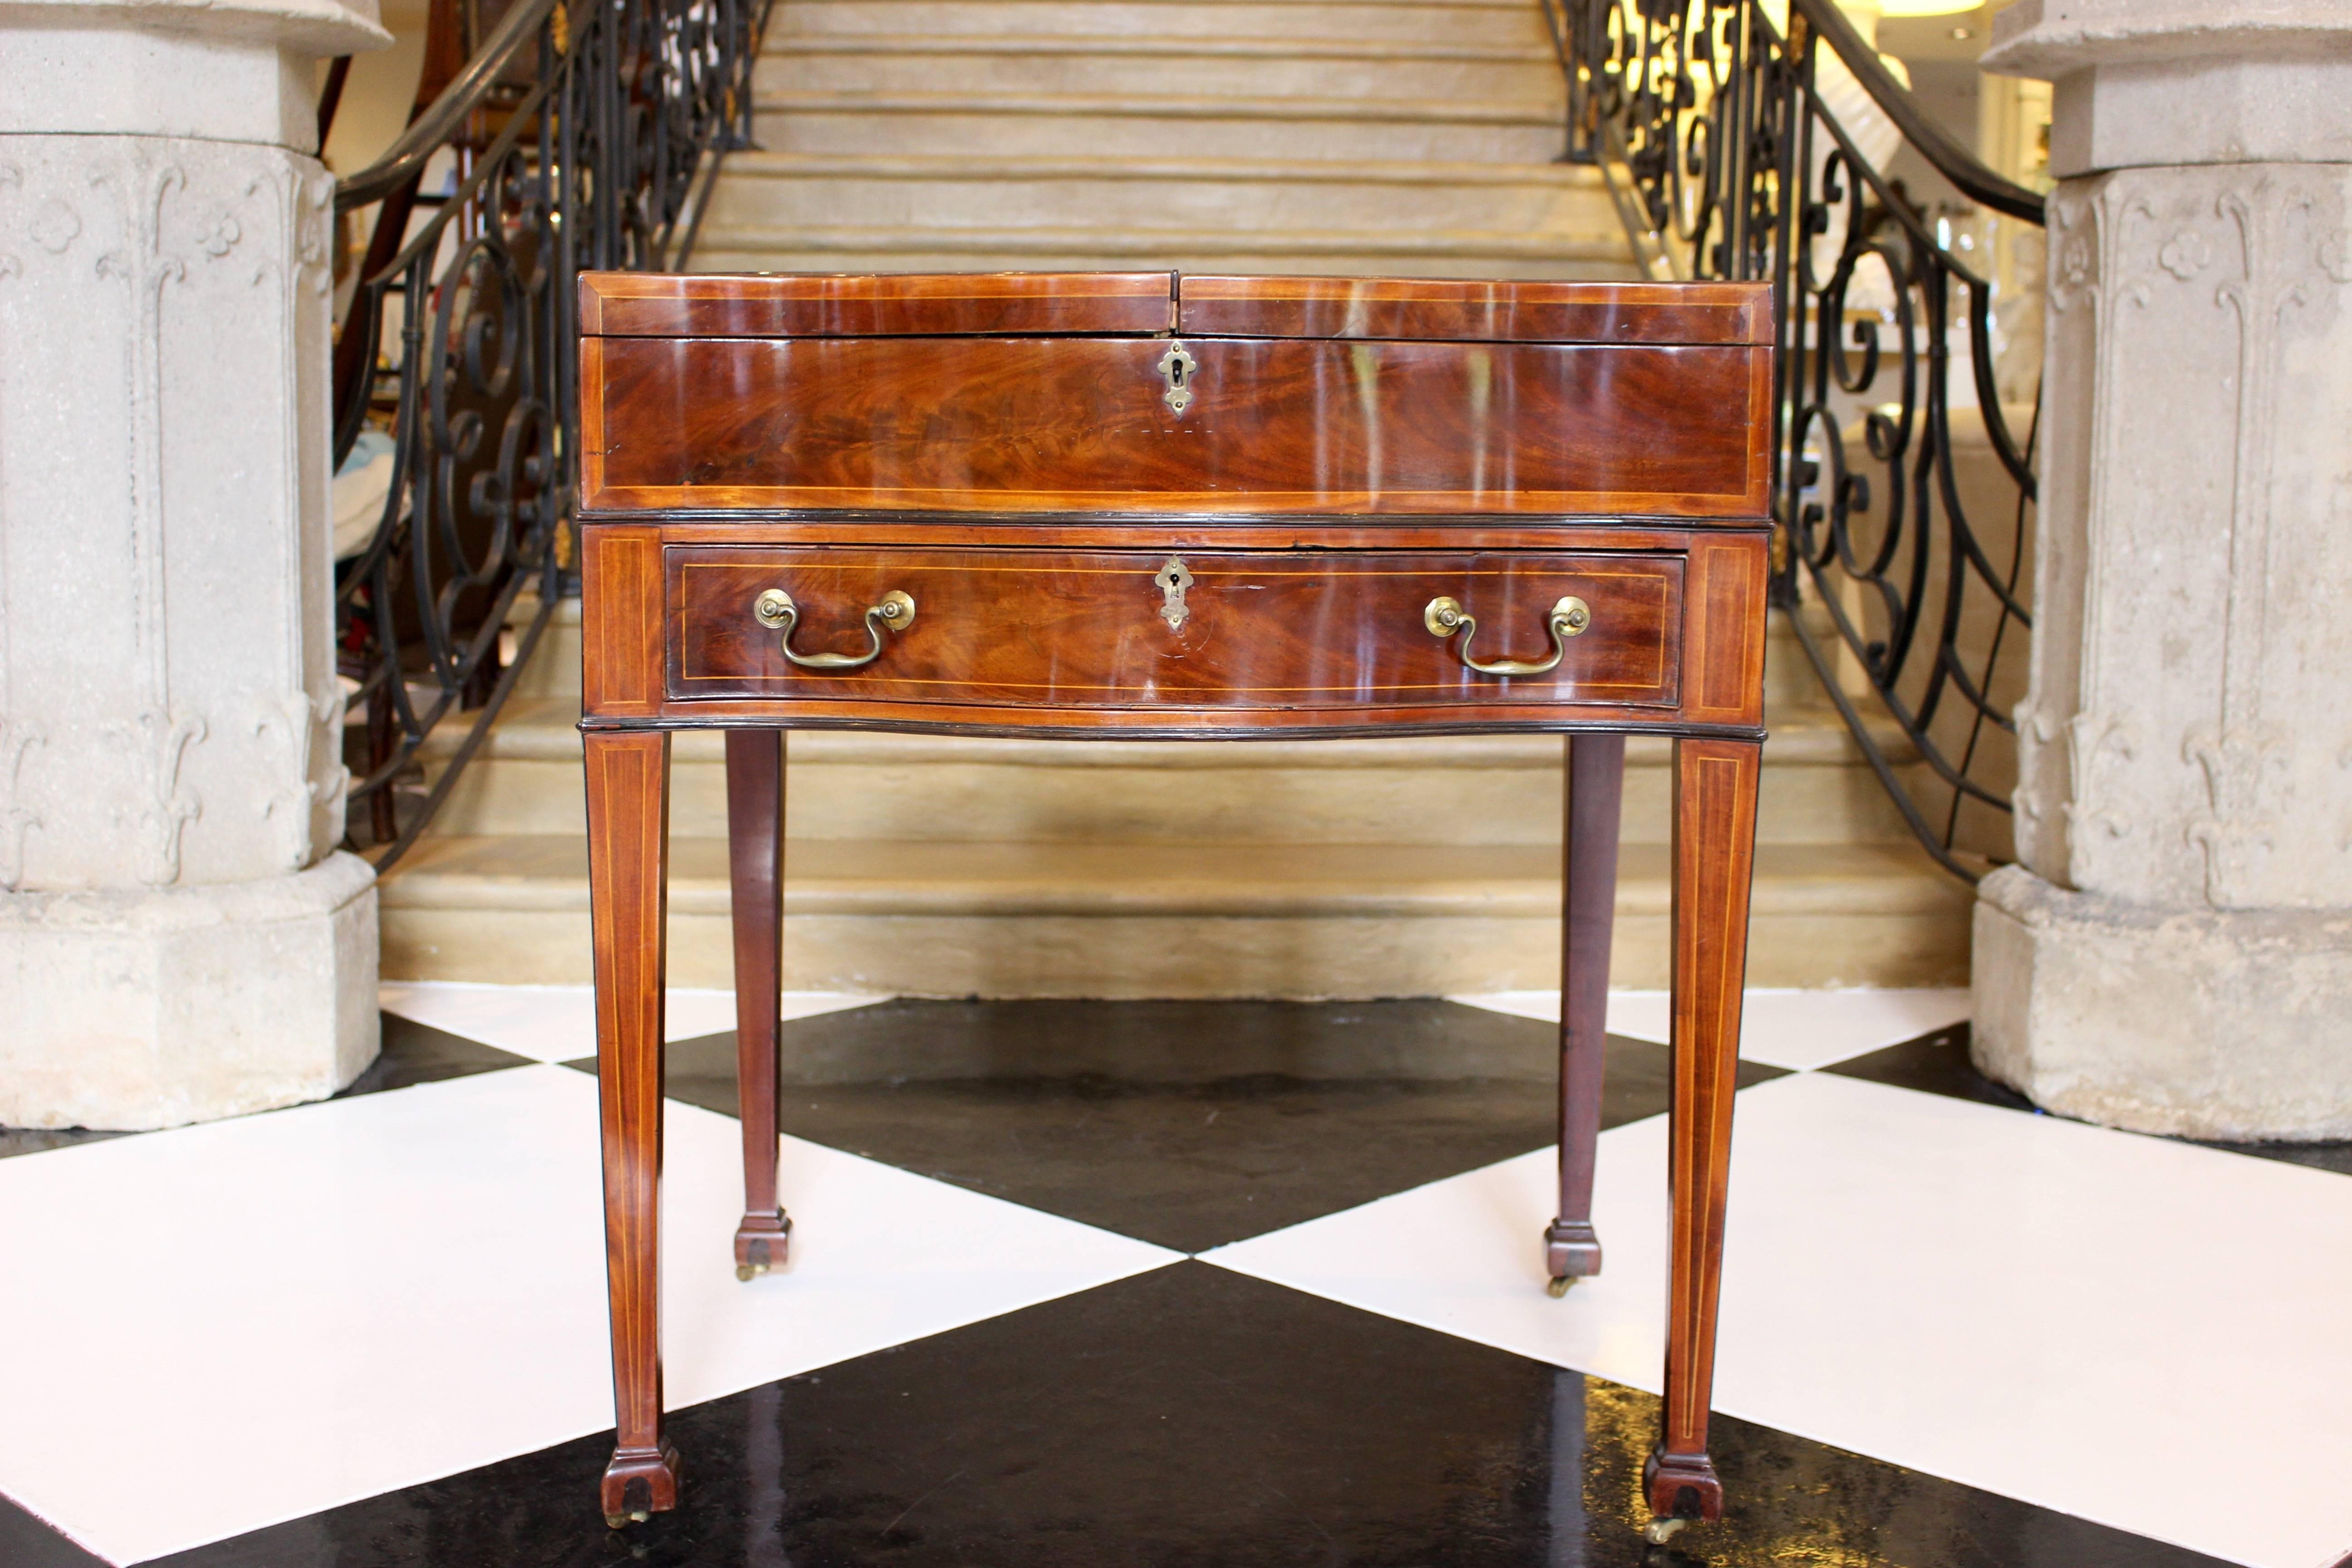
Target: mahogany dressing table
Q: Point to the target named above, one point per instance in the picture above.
(1139, 505)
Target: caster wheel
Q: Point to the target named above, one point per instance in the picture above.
(745, 1271)
(616, 1521)
(1658, 1532)
(1560, 1285)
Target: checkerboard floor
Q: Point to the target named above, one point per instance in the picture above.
(1172, 1283)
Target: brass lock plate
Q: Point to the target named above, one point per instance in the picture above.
(1173, 578)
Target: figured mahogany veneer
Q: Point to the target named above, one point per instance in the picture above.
(1022, 423)
(1014, 452)
(1063, 628)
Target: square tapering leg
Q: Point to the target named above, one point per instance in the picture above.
(628, 867)
(1714, 861)
(1596, 786)
(755, 867)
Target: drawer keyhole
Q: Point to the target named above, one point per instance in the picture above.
(1173, 579)
(1176, 368)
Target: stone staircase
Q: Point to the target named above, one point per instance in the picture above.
(1406, 137)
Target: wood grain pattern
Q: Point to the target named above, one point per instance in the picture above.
(1723, 633)
(1474, 309)
(1596, 784)
(628, 855)
(620, 622)
(1030, 424)
(795, 305)
(755, 862)
(1714, 859)
(1032, 629)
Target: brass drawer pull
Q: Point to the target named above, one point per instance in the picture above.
(777, 612)
(1445, 617)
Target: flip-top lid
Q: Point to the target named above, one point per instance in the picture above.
(872, 305)
(1144, 304)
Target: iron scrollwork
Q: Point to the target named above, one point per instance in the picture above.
(1903, 491)
(576, 137)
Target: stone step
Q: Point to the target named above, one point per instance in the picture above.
(852, 786)
(1405, 253)
(1504, 21)
(1545, 206)
(1133, 920)
(1121, 125)
(1239, 67)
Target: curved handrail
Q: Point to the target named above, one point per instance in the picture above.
(1974, 179)
(431, 131)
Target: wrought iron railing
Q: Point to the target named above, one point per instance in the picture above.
(1736, 149)
(576, 136)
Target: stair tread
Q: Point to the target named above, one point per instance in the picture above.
(786, 44)
(1127, 241)
(545, 729)
(1437, 110)
(963, 167)
(549, 871)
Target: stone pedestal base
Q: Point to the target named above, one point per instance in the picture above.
(2208, 1023)
(129, 1010)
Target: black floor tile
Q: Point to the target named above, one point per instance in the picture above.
(1237, 1118)
(1188, 1418)
(1938, 1063)
(26, 1542)
(417, 1053)
(413, 1053)
(39, 1139)
(1934, 1063)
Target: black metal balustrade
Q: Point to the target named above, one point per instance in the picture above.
(1728, 162)
(576, 136)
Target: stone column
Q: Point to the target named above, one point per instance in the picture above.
(2174, 954)
(179, 938)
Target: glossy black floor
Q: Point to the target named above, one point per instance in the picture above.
(1189, 1416)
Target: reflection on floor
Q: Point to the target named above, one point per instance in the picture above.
(370, 1331)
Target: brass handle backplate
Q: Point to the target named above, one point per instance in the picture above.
(774, 609)
(1445, 617)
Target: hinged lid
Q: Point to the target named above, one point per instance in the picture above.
(888, 304)
(1472, 310)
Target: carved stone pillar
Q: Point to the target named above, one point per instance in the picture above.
(2174, 954)
(179, 938)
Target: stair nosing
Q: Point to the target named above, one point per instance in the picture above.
(957, 169)
(1383, 111)
(792, 44)
(1115, 240)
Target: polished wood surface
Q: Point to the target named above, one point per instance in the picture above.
(1473, 309)
(1056, 628)
(755, 865)
(1352, 449)
(806, 305)
(1593, 797)
(1714, 858)
(1030, 424)
(628, 898)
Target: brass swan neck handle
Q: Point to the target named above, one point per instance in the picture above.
(774, 609)
(1445, 617)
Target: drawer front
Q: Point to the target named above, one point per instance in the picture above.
(1092, 424)
(1186, 630)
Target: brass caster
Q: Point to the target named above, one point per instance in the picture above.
(1658, 1532)
(620, 1521)
(1559, 1286)
(745, 1271)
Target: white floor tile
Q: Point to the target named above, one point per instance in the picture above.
(558, 1023)
(220, 1327)
(1783, 1028)
(2137, 1331)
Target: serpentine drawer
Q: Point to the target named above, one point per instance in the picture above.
(1148, 628)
